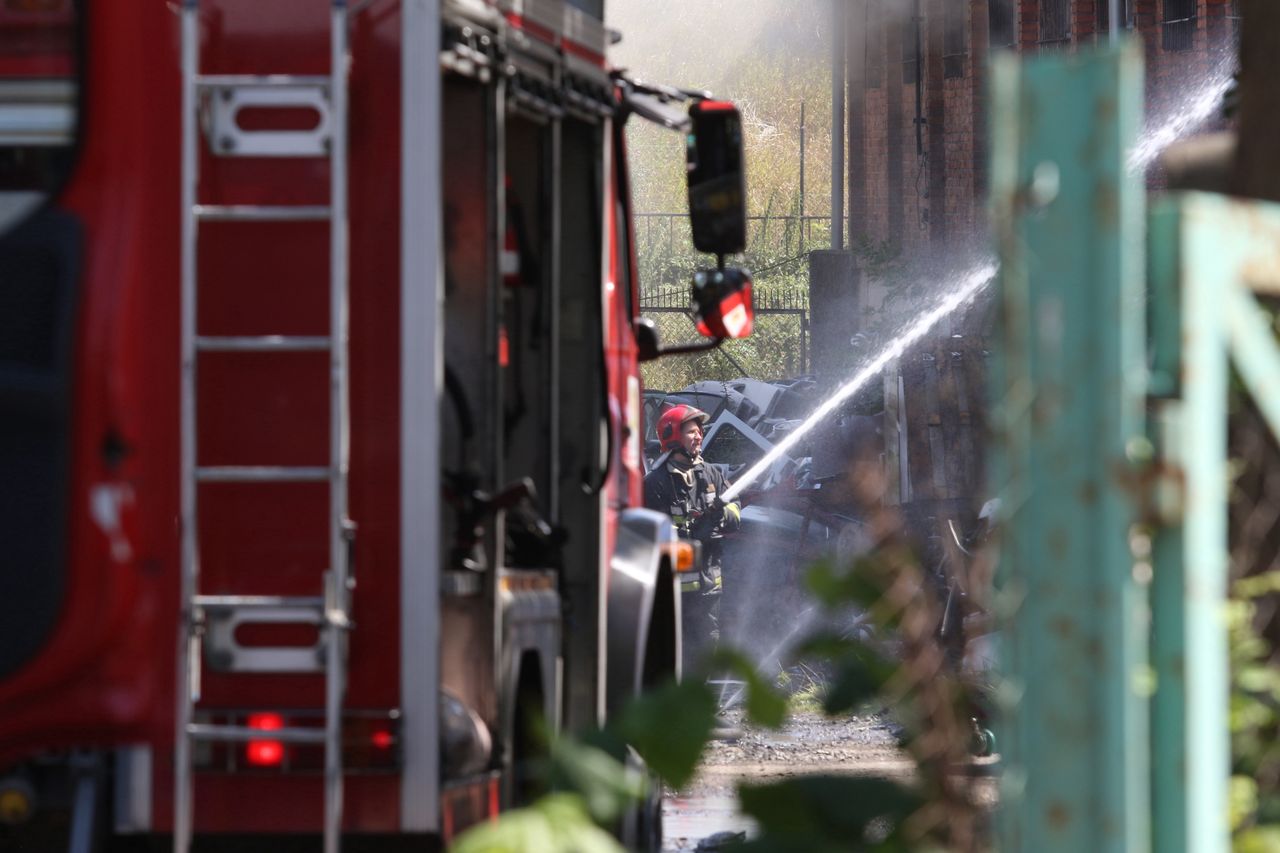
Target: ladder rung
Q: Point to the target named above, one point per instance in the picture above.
(262, 343)
(229, 602)
(218, 81)
(208, 731)
(261, 474)
(261, 213)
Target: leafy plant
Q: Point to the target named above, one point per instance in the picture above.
(1254, 720)
(557, 822)
(591, 781)
(1253, 622)
(818, 813)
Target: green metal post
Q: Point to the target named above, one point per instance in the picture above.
(1068, 401)
(1205, 252)
(1168, 631)
(1201, 573)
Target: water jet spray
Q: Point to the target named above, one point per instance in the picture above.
(1202, 104)
(970, 285)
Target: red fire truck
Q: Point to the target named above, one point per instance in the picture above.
(319, 390)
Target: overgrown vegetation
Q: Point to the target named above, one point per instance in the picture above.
(1253, 620)
(1255, 720)
(772, 73)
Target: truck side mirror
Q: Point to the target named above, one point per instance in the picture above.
(647, 343)
(722, 303)
(717, 180)
(652, 449)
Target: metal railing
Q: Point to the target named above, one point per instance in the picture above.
(675, 227)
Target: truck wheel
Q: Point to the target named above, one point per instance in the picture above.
(528, 747)
(641, 828)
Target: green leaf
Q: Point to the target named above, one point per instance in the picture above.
(608, 786)
(837, 587)
(1260, 839)
(606, 740)
(1256, 586)
(574, 831)
(861, 670)
(1242, 800)
(557, 823)
(669, 727)
(522, 829)
(826, 809)
(765, 706)
(1258, 679)
(858, 682)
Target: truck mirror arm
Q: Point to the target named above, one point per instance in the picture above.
(685, 349)
(656, 102)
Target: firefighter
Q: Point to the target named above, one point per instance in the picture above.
(686, 488)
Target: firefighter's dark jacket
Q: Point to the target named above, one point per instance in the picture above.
(683, 490)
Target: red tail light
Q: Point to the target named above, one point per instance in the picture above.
(370, 742)
(265, 753)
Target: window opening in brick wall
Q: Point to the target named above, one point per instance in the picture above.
(1103, 16)
(1055, 21)
(874, 38)
(1178, 24)
(1002, 19)
(1233, 21)
(953, 44)
(910, 47)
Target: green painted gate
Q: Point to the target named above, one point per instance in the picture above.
(1109, 414)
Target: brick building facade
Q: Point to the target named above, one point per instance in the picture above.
(916, 94)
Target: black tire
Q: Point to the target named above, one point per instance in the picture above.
(641, 828)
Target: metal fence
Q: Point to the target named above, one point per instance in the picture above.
(779, 347)
(1179, 24)
(766, 233)
(1055, 21)
(790, 301)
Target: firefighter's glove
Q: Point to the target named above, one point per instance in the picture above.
(732, 516)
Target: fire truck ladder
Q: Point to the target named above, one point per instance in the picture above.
(212, 619)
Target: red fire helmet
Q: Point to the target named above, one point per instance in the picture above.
(673, 419)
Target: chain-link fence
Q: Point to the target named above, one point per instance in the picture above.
(778, 349)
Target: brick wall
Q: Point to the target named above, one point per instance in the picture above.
(960, 194)
(1028, 25)
(895, 205)
(914, 185)
(875, 190)
(1084, 22)
(916, 198)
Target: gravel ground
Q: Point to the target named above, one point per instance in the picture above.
(809, 743)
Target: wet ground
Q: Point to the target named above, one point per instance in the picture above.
(809, 743)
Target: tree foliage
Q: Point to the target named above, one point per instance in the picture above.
(773, 65)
